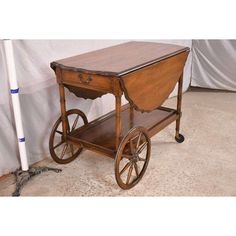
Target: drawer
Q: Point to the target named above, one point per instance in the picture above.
(89, 81)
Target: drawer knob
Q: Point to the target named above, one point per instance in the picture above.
(84, 80)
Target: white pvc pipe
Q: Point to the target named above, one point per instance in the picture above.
(16, 103)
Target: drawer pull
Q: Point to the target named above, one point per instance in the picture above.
(85, 81)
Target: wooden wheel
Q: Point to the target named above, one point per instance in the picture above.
(132, 157)
(61, 151)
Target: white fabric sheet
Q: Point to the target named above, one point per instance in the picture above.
(39, 94)
(214, 64)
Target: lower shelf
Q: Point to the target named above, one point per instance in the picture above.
(99, 135)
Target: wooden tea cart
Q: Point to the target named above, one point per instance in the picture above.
(146, 73)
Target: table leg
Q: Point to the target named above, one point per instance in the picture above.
(179, 103)
(63, 110)
(118, 121)
(131, 116)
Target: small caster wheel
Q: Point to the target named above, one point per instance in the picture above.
(179, 139)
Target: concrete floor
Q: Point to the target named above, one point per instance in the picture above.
(204, 165)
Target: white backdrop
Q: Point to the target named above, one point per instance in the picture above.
(214, 64)
(39, 94)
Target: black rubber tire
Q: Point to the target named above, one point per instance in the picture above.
(179, 139)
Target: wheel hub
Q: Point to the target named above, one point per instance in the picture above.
(135, 157)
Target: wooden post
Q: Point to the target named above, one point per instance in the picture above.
(131, 116)
(179, 104)
(63, 110)
(118, 121)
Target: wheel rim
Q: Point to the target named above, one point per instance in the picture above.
(132, 158)
(61, 151)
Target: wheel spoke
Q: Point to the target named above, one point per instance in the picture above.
(72, 149)
(141, 159)
(129, 174)
(142, 147)
(75, 123)
(136, 169)
(138, 142)
(131, 146)
(64, 151)
(59, 132)
(125, 168)
(59, 144)
(127, 156)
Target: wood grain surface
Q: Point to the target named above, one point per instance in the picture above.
(120, 59)
(100, 134)
(147, 88)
